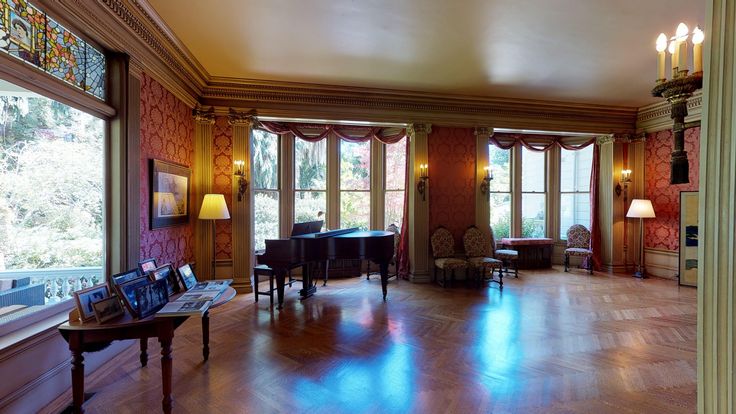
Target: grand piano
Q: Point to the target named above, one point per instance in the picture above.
(313, 250)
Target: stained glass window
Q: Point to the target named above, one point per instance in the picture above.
(29, 34)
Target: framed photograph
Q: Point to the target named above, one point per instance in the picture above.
(187, 276)
(86, 297)
(127, 293)
(127, 276)
(108, 309)
(146, 265)
(169, 195)
(688, 273)
(151, 297)
(167, 273)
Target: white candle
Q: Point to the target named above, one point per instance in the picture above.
(661, 47)
(698, 38)
(681, 36)
(673, 58)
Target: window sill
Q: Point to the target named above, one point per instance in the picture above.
(32, 325)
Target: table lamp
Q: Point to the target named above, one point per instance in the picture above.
(214, 208)
(641, 209)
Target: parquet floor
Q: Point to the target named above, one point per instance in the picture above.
(551, 342)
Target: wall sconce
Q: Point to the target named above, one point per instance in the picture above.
(423, 177)
(625, 180)
(242, 182)
(485, 185)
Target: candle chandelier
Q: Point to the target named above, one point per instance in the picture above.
(678, 89)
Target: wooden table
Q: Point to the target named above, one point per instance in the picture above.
(534, 252)
(92, 337)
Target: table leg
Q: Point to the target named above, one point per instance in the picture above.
(77, 381)
(384, 278)
(166, 370)
(206, 335)
(144, 352)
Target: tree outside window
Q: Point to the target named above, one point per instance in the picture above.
(266, 187)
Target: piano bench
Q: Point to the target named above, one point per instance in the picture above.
(263, 270)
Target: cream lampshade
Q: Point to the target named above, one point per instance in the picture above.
(213, 208)
(641, 209)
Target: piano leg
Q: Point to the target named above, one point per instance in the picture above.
(308, 282)
(384, 278)
(280, 275)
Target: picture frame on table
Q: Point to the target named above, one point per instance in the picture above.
(689, 230)
(108, 309)
(146, 265)
(86, 297)
(127, 293)
(166, 272)
(169, 194)
(120, 278)
(186, 276)
(151, 297)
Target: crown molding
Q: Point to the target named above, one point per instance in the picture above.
(291, 99)
(656, 117)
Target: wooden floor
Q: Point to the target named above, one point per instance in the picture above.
(551, 342)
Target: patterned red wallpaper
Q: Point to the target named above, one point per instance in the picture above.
(452, 180)
(167, 133)
(222, 161)
(663, 232)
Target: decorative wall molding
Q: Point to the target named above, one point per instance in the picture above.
(661, 263)
(656, 117)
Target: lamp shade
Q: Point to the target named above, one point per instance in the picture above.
(641, 209)
(214, 208)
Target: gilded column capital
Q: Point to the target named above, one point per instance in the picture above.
(487, 131)
(413, 129)
(202, 116)
(605, 139)
(246, 119)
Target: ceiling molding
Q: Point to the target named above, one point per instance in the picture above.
(289, 99)
(656, 117)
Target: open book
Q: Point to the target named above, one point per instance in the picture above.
(183, 308)
(216, 285)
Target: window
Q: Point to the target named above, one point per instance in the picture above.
(395, 182)
(575, 169)
(355, 184)
(500, 191)
(533, 193)
(51, 201)
(266, 187)
(310, 179)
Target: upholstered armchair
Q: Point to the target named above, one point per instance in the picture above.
(443, 251)
(478, 256)
(578, 244)
(507, 256)
(393, 228)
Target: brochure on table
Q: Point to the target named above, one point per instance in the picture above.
(196, 301)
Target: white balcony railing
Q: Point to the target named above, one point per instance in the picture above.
(60, 284)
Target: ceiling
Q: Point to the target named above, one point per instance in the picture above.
(585, 51)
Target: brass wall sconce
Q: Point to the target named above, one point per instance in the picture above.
(423, 177)
(625, 180)
(485, 185)
(242, 182)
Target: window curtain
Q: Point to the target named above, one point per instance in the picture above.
(540, 142)
(402, 255)
(595, 227)
(350, 133)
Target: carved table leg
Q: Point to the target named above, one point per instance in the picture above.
(77, 381)
(166, 370)
(206, 335)
(144, 352)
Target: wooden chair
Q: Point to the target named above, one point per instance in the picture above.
(578, 244)
(479, 257)
(507, 256)
(443, 251)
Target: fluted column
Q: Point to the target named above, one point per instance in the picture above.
(482, 201)
(419, 208)
(242, 214)
(203, 177)
(611, 214)
(717, 215)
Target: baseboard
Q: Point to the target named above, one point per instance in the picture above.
(662, 263)
(420, 277)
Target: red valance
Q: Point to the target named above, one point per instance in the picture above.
(539, 142)
(350, 133)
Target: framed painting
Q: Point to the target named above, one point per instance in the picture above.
(169, 194)
(688, 272)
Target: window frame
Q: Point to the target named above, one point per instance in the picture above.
(559, 236)
(384, 187)
(340, 190)
(279, 182)
(546, 187)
